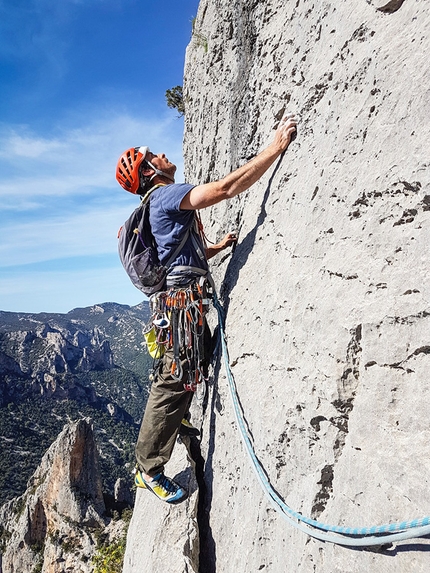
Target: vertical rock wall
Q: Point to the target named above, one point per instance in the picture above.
(327, 292)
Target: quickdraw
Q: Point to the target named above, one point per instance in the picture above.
(178, 320)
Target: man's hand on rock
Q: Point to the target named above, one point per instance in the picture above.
(228, 240)
(285, 131)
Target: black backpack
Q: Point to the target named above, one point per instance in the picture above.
(138, 252)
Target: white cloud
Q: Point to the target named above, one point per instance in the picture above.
(77, 161)
(23, 146)
(62, 199)
(91, 233)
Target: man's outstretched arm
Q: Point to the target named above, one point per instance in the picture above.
(242, 178)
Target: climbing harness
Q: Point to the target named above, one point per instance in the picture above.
(349, 536)
(177, 323)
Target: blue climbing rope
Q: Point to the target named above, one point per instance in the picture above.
(349, 536)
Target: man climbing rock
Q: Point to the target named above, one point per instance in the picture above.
(181, 307)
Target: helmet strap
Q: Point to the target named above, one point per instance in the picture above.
(160, 173)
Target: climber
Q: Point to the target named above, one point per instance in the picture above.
(172, 214)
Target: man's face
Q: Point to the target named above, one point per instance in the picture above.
(161, 162)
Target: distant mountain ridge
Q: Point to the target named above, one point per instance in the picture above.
(55, 368)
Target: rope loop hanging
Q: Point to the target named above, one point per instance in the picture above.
(349, 536)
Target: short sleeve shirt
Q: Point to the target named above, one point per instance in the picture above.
(169, 224)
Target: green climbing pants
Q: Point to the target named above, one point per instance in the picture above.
(167, 404)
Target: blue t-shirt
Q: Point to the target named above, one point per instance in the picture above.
(169, 224)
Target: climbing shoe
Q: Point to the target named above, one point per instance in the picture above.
(163, 487)
(187, 429)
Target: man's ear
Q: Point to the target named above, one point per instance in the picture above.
(147, 171)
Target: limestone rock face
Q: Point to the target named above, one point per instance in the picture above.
(163, 537)
(328, 290)
(53, 524)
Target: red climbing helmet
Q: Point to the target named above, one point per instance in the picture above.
(127, 169)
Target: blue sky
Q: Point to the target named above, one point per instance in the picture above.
(80, 81)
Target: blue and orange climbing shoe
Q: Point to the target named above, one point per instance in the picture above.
(187, 429)
(163, 487)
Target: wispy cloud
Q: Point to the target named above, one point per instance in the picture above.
(93, 232)
(61, 192)
(67, 116)
(60, 200)
(79, 160)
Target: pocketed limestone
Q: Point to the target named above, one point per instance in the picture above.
(327, 292)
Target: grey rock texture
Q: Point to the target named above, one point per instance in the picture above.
(60, 367)
(328, 290)
(162, 537)
(52, 526)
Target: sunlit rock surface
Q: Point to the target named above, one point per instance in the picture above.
(327, 292)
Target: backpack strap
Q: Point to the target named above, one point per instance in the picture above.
(191, 231)
(197, 246)
(177, 250)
